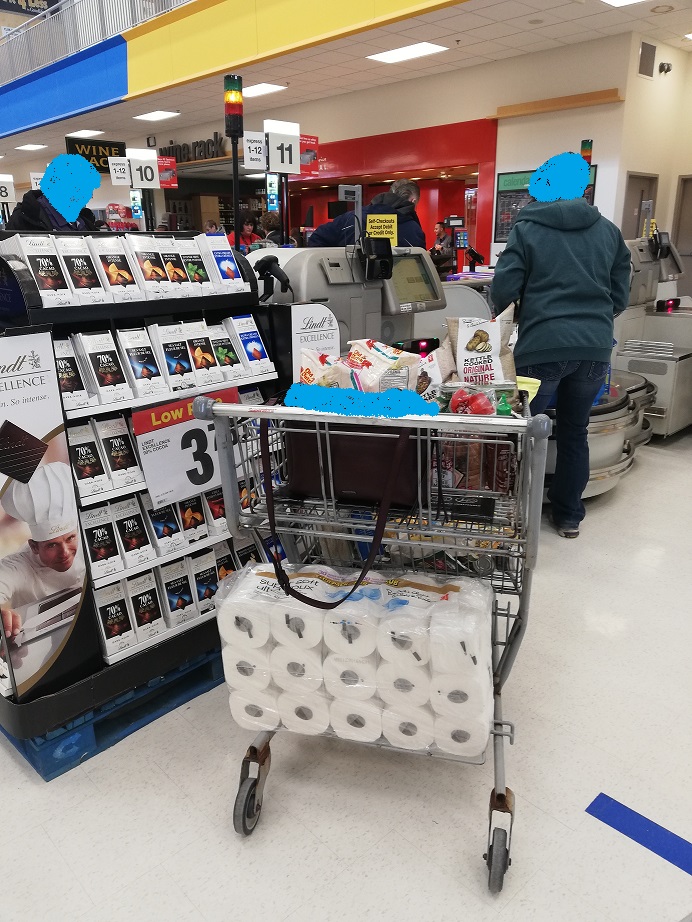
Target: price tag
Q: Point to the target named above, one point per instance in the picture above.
(145, 175)
(178, 452)
(120, 171)
(283, 153)
(7, 194)
(254, 150)
(35, 180)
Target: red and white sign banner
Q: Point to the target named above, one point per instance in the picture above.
(168, 172)
(178, 452)
(309, 155)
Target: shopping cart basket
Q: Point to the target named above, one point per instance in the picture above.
(477, 490)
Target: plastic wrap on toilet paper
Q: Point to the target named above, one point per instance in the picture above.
(405, 662)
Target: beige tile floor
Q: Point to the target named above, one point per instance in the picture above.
(601, 696)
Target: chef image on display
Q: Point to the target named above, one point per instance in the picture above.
(52, 560)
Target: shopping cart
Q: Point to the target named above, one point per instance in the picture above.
(485, 525)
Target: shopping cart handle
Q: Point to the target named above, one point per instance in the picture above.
(203, 408)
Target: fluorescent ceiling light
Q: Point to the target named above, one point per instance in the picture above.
(419, 50)
(262, 89)
(84, 133)
(279, 127)
(31, 147)
(689, 35)
(158, 115)
(622, 2)
(253, 176)
(1, 156)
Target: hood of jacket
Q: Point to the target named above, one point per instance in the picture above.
(566, 214)
(390, 203)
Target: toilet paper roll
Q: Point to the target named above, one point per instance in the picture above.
(246, 669)
(351, 631)
(401, 684)
(255, 710)
(403, 639)
(460, 634)
(307, 714)
(460, 697)
(296, 670)
(297, 627)
(243, 626)
(468, 738)
(350, 678)
(356, 720)
(408, 727)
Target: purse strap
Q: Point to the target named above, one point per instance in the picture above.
(281, 574)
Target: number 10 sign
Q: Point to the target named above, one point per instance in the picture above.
(178, 452)
(283, 153)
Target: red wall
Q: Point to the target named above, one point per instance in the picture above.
(439, 198)
(413, 152)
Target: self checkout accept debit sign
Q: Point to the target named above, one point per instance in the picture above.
(382, 225)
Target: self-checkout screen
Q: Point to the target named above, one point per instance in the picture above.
(412, 281)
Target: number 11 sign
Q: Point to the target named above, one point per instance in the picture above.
(283, 153)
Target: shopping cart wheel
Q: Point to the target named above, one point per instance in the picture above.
(246, 812)
(497, 860)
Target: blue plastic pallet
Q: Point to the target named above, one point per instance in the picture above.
(78, 740)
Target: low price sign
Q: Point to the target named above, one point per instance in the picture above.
(178, 452)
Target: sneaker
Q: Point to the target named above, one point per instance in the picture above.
(567, 531)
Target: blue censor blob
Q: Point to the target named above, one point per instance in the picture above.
(565, 176)
(68, 184)
(393, 404)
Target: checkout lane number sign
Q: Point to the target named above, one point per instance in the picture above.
(178, 452)
(283, 153)
(7, 194)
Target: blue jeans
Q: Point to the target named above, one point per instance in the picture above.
(576, 383)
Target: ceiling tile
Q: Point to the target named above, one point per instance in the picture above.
(493, 31)
(431, 33)
(561, 30)
(461, 22)
(610, 18)
(481, 48)
(544, 45)
(507, 10)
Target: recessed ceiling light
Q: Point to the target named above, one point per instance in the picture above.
(324, 187)
(396, 55)
(415, 178)
(1, 156)
(158, 115)
(253, 176)
(31, 147)
(388, 180)
(84, 133)
(262, 89)
(622, 2)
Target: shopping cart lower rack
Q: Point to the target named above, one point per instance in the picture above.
(451, 496)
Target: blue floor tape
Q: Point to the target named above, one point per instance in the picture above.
(658, 840)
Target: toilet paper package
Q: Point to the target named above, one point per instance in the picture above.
(255, 710)
(404, 662)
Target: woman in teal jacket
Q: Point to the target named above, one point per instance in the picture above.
(569, 268)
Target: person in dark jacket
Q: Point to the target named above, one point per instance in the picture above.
(59, 205)
(35, 213)
(569, 268)
(400, 200)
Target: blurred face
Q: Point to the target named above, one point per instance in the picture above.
(58, 553)
(439, 230)
(247, 227)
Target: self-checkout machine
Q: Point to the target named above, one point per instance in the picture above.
(654, 333)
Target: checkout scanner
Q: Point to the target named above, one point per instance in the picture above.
(382, 309)
(654, 333)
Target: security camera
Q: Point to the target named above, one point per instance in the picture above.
(664, 67)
